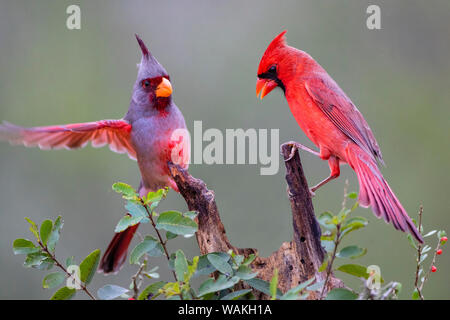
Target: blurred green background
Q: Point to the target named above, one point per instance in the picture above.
(398, 77)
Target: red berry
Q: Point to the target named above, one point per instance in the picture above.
(439, 252)
(444, 239)
(131, 298)
(433, 269)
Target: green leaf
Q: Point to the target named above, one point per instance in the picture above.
(440, 234)
(175, 222)
(251, 257)
(341, 294)
(24, 246)
(33, 228)
(155, 197)
(110, 292)
(204, 267)
(324, 265)
(235, 295)
(170, 235)
(351, 252)
(262, 286)
(220, 284)
(411, 241)
(274, 285)
(237, 259)
(158, 251)
(353, 224)
(126, 190)
(54, 234)
(191, 214)
(324, 220)
(70, 261)
(151, 291)
(356, 270)
(181, 265)
(136, 210)
(89, 265)
(149, 243)
(352, 195)
(63, 294)
(415, 295)
(53, 280)
(46, 228)
(328, 245)
(245, 273)
(293, 294)
(126, 222)
(316, 286)
(342, 215)
(220, 263)
(37, 259)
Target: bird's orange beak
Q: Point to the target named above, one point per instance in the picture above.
(264, 86)
(164, 89)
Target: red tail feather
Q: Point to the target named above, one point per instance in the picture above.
(116, 253)
(375, 192)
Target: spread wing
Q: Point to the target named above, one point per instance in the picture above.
(115, 133)
(343, 113)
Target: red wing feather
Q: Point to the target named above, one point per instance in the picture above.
(115, 133)
(343, 113)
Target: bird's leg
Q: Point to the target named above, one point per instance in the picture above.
(295, 146)
(333, 162)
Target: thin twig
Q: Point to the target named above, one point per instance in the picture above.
(331, 261)
(134, 278)
(163, 243)
(59, 265)
(419, 255)
(425, 278)
(336, 242)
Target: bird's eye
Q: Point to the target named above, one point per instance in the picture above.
(272, 69)
(145, 83)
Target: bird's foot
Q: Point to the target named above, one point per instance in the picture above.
(296, 146)
(312, 194)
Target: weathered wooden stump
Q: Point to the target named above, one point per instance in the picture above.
(296, 261)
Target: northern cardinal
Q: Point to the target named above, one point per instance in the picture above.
(153, 132)
(333, 123)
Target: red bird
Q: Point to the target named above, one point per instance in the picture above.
(333, 123)
(152, 132)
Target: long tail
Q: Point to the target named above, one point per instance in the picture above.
(376, 193)
(116, 253)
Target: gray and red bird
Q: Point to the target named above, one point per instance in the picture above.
(153, 132)
(333, 123)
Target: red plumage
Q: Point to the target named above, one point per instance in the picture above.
(152, 132)
(333, 123)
